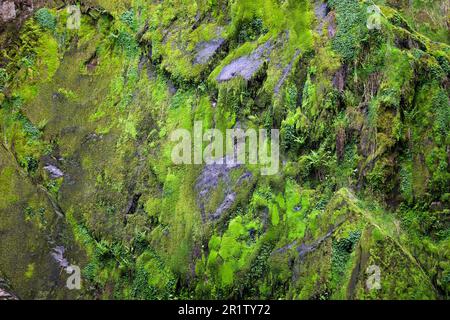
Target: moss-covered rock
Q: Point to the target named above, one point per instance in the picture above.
(359, 209)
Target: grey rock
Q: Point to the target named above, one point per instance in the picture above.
(339, 79)
(5, 295)
(305, 249)
(5, 292)
(205, 51)
(324, 16)
(208, 181)
(248, 65)
(58, 255)
(7, 11)
(224, 206)
(320, 10)
(54, 172)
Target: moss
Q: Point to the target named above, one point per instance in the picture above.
(69, 94)
(30, 271)
(364, 111)
(153, 280)
(8, 194)
(297, 207)
(275, 216)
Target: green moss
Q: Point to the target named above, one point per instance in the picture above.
(364, 111)
(297, 208)
(152, 280)
(7, 190)
(275, 216)
(226, 271)
(30, 271)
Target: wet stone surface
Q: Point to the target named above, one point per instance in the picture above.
(206, 50)
(246, 66)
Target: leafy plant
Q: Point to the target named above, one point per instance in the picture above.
(251, 30)
(45, 19)
(341, 253)
(350, 27)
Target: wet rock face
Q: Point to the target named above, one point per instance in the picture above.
(246, 66)
(5, 295)
(320, 10)
(209, 180)
(7, 11)
(54, 172)
(339, 79)
(219, 230)
(207, 50)
(58, 256)
(325, 18)
(15, 11)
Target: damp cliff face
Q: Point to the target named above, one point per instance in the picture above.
(358, 210)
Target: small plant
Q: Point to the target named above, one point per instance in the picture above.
(69, 94)
(350, 32)
(251, 30)
(291, 97)
(341, 254)
(126, 42)
(31, 131)
(53, 186)
(128, 18)
(32, 164)
(30, 213)
(45, 19)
